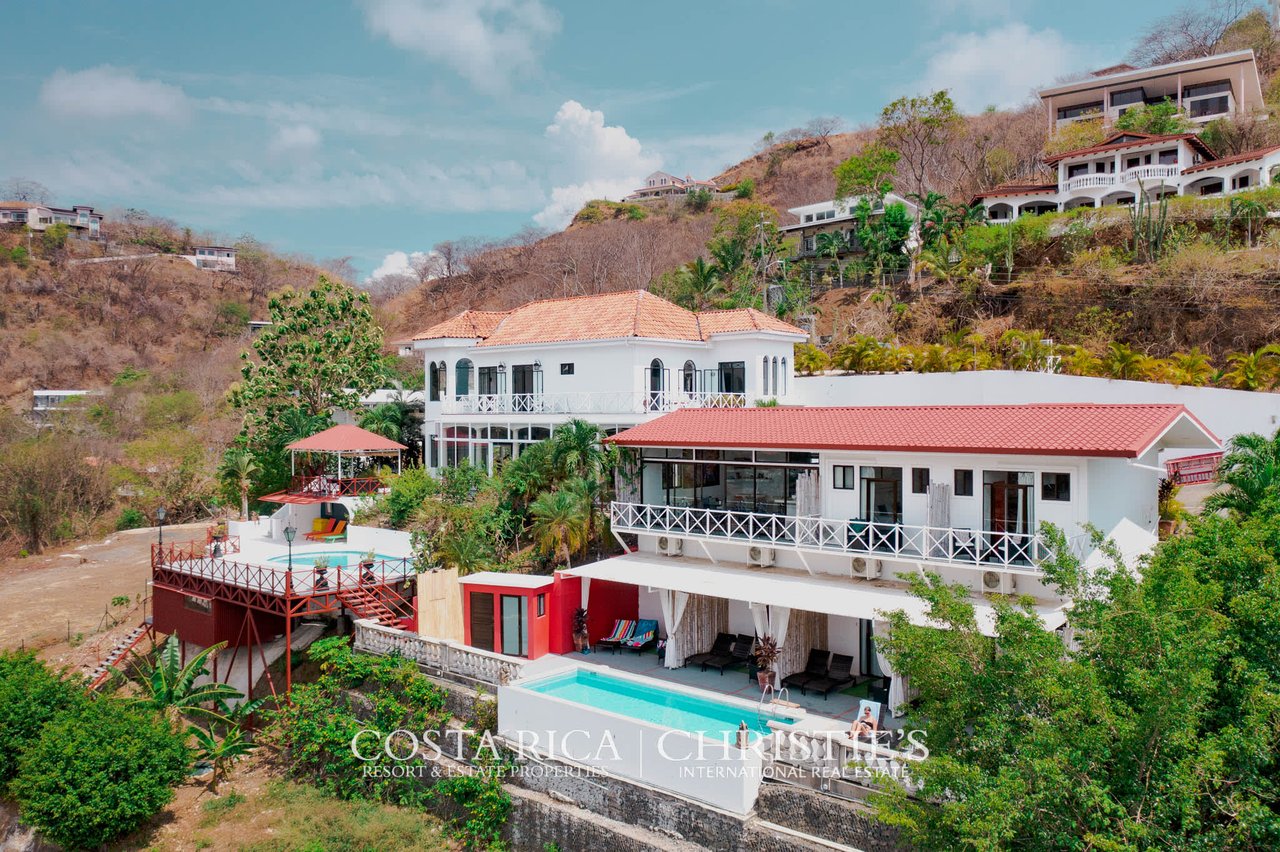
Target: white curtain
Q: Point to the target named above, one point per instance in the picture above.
(770, 621)
(808, 497)
(673, 609)
(586, 591)
(760, 617)
(897, 682)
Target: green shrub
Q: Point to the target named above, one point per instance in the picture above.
(406, 493)
(746, 188)
(131, 519)
(99, 772)
(20, 256)
(31, 694)
(171, 409)
(128, 376)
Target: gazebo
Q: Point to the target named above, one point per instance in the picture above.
(324, 477)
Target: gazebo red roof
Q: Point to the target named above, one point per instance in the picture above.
(346, 438)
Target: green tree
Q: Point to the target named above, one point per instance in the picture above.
(54, 238)
(31, 694)
(99, 773)
(322, 352)
(388, 420)
(809, 359)
(465, 550)
(560, 520)
(576, 450)
(1249, 473)
(237, 470)
(1161, 118)
(168, 686)
(870, 172)
(746, 189)
(830, 244)
(919, 129)
(1121, 362)
(1192, 368)
(1252, 370)
(697, 284)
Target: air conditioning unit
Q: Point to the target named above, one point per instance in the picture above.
(670, 546)
(998, 583)
(762, 556)
(865, 569)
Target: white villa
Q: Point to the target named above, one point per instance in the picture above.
(834, 216)
(216, 258)
(1206, 88)
(500, 380)
(1126, 163)
(662, 185)
(81, 219)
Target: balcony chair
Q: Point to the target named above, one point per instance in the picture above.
(644, 636)
(320, 528)
(623, 628)
(738, 655)
(838, 677)
(720, 648)
(817, 667)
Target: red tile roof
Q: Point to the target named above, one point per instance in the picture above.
(1123, 431)
(1017, 189)
(1141, 139)
(345, 438)
(1257, 154)
(631, 313)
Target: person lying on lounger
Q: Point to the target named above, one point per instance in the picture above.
(864, 725)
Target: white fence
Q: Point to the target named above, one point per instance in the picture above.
(440, 656)
(1018, 552)
(617, 402)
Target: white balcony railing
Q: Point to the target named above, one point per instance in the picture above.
(1021, 552)
(1145, 173)
(441, 657)
(617, 402)
(1088, 182)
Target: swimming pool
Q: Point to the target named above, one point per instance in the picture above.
(337, 558)
(655, 703)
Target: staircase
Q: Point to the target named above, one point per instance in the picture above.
(118, 653)
(365, 604)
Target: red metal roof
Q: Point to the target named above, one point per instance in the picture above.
(346, 438)
(1124, 431)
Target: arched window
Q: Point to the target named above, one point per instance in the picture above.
(764, 377)
(786, 377)
(463, 382)
(775, 375)
(655, 385)
(690, 376)
(435, 377)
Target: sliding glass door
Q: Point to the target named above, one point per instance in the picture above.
(515, 630)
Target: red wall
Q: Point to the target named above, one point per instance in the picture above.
(608, 601)
(226, 622)
(539, 627)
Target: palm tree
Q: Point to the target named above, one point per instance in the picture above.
(1191, 368)
(465, 550)
(1121, 362)
(862, 354)
(238, 468)
(1252, 370)
(1027, 350)
(575, 450)
(1249, 211)
(294, 424)
(386, 420)
(1077, 360)
(559, 523)
(234, 743)
(831, 245)
(699, 281)
(170, 687)
(528, 474)
(1250, 470)
(590, 492)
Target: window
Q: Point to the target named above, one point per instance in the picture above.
(919, 480)
(195, 604)
(1241, 182)
(1055, 486)
(733, 377)
(1168, 158)
(764, 376)
(964, 483)
(1079, 111)
(463, 382)
(1077, 170)
(844, 477)
(774, 375)
(566, 369)
(1209, 106)
(1220, 87)
(542, 605)
(689, 376)
(488, 381)
(784, 377)
(1127, 97)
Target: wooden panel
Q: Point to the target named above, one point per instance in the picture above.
(482, 620)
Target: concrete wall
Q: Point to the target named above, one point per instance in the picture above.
(1225, 412)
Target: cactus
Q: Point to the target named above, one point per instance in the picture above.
(1149, 229)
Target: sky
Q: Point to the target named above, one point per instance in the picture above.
(374, 129)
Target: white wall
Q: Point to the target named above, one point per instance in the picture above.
(1225, 412)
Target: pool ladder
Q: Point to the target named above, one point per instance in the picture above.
(772, 695)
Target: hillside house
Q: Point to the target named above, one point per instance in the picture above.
(498, 381)
(1206, 88)
(664, 185)
(1127, 163)
(82, 220)
(215, 258)
(839, 217)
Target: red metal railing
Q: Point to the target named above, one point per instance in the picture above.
(331, 486)
(1191, 469)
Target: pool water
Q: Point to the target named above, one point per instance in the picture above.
(672, 709)
(337, 558)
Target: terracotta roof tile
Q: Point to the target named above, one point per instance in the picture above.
(631, 313)
(1017, 189)
(346, 438)
(1125, 431)
(1142, 139)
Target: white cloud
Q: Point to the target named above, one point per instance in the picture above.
(107, 92)
(399, 263)
(597, 161)
(487, 42)
(294, 140)
(999, 66)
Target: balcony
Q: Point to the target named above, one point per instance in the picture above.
(1146, 173)
(1014, 552)
(333, 487)
(617, 402)
(1088, 182)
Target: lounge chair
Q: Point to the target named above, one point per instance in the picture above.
(839, 676)
(645, 634)
(622, 630)
(817, 667)
(720, 648)
(320, 528)
(738, 655)
(338, 533)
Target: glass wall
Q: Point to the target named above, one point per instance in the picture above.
(738, 480)
(489, 446)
